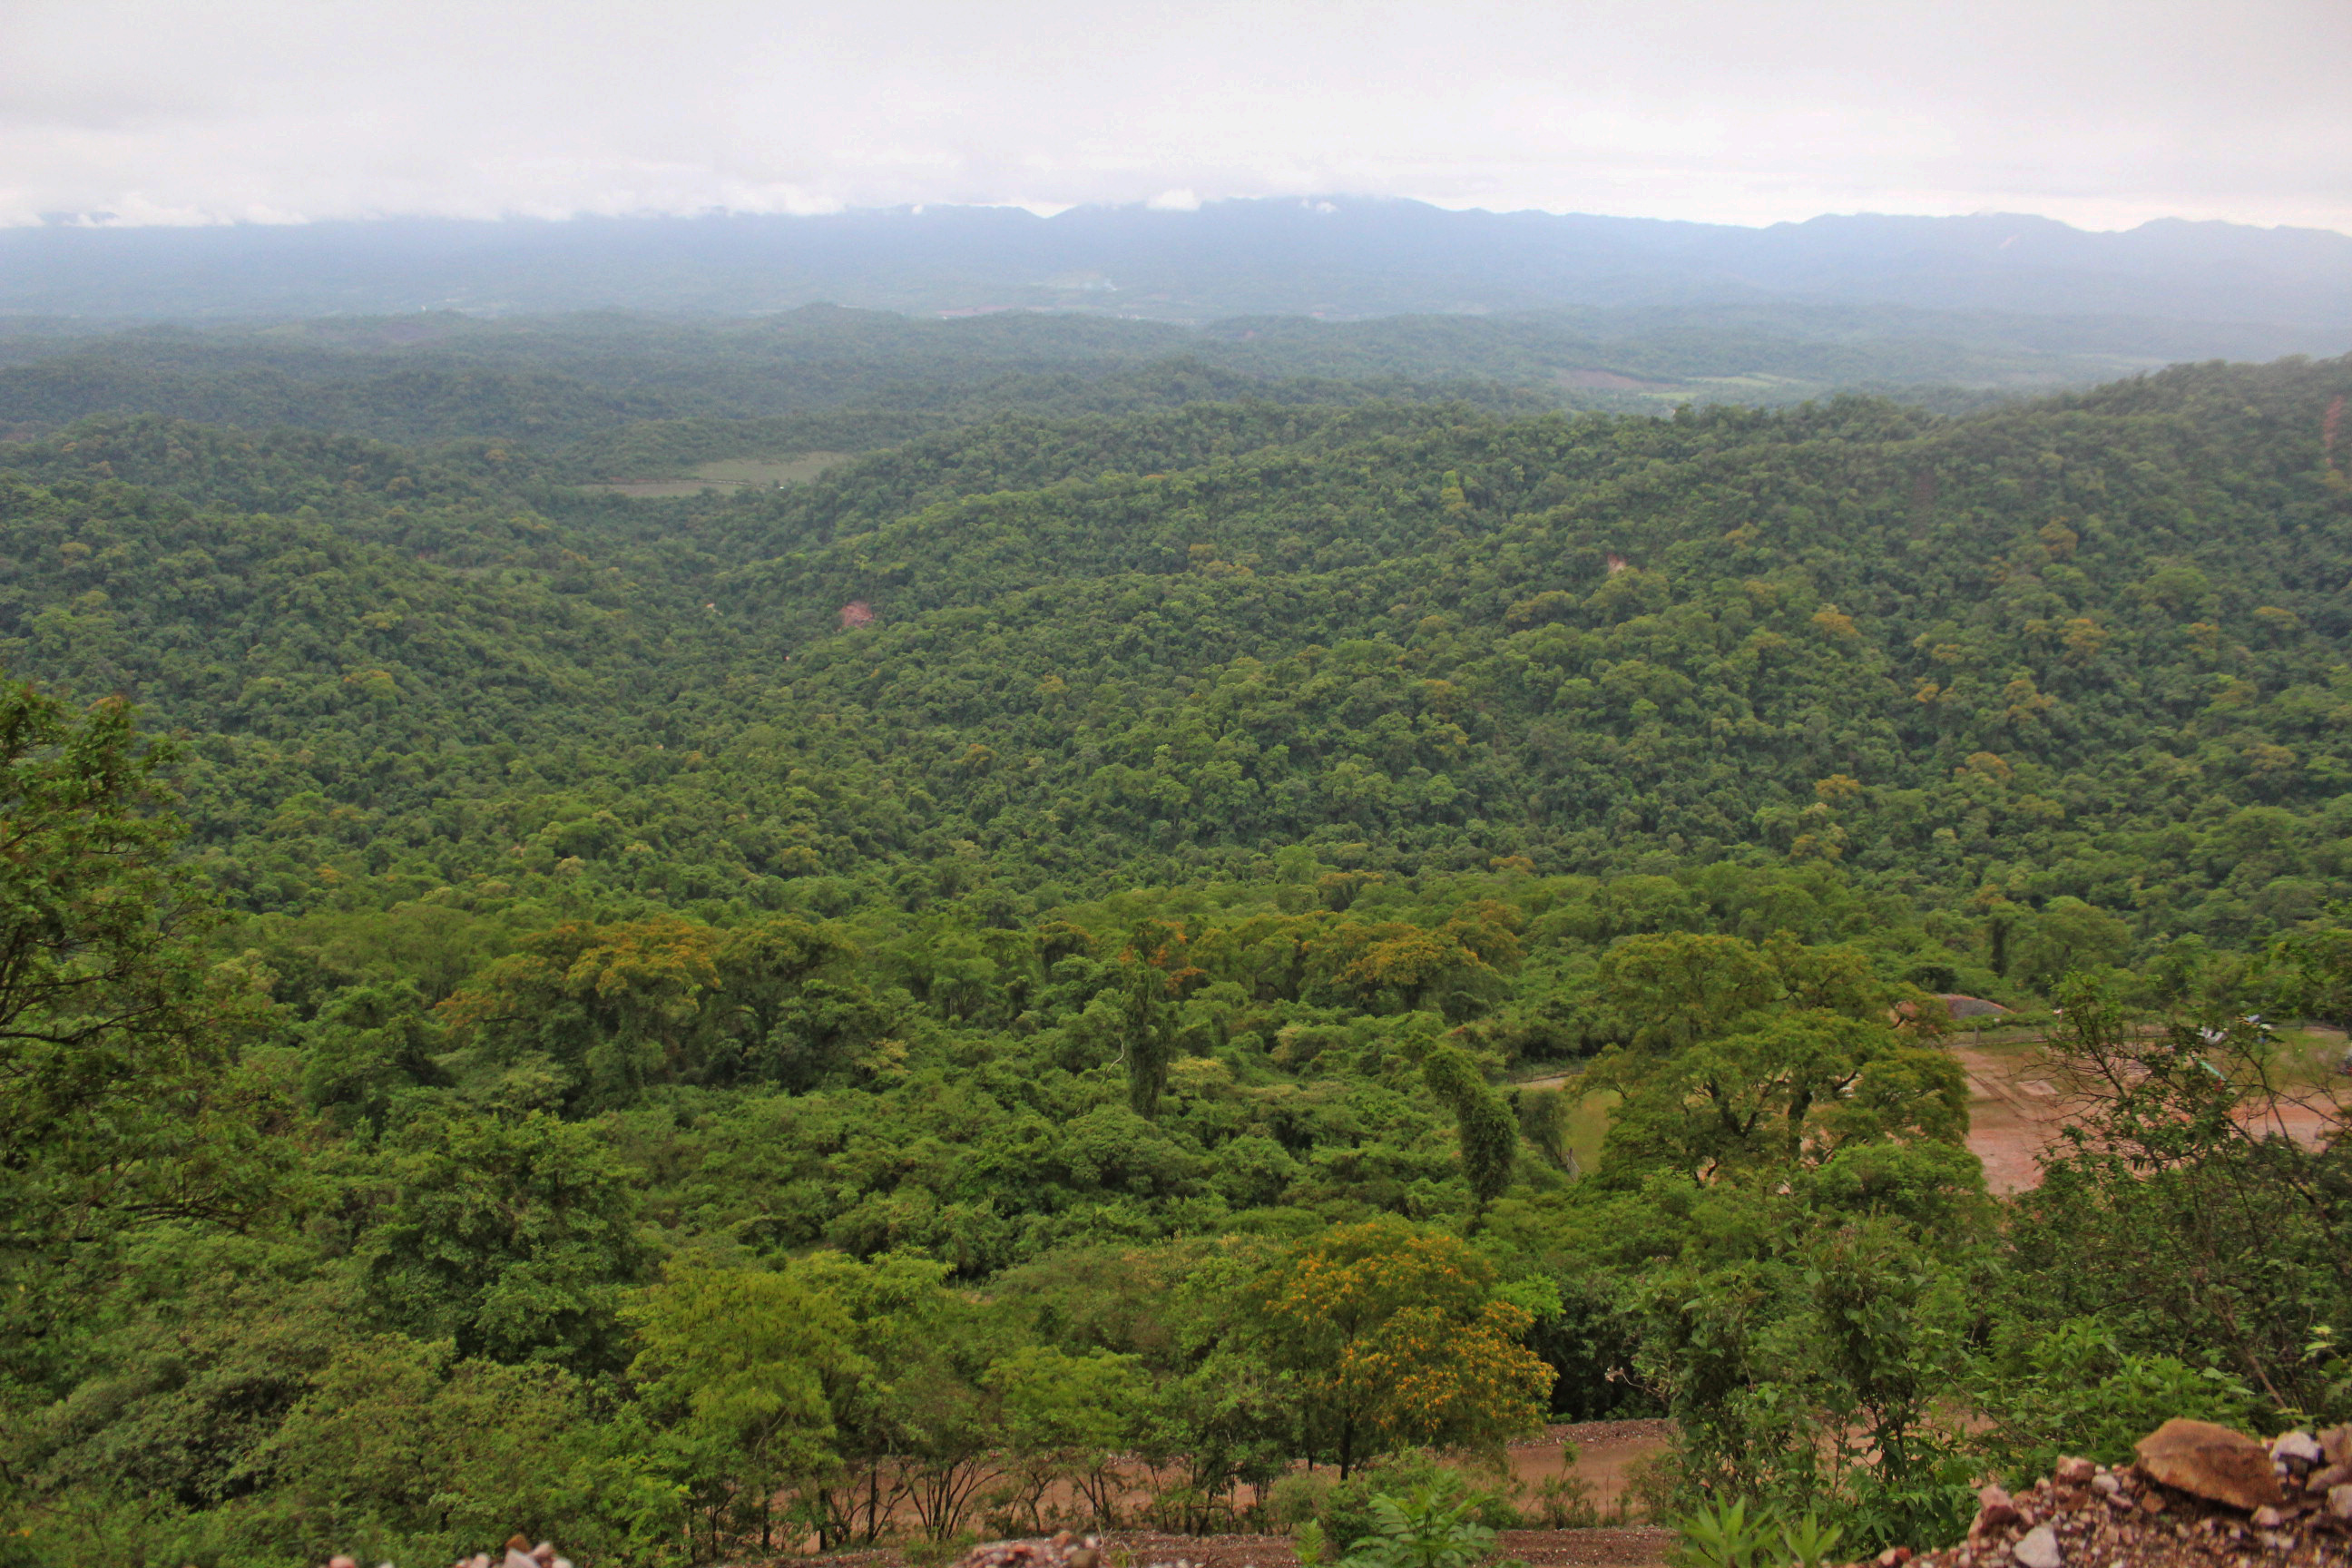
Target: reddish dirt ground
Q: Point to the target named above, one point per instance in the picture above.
(1627, 1548)
(1605, 1450)
(2017, 1103)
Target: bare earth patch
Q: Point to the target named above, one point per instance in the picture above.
(1605, 1449)
(2018, 1106)
(726, 474)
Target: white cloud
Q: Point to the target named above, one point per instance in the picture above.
(2101, 112)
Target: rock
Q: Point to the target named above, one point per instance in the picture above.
(2296, 1448)
(2268, 1518)
(2038, 1548)
(1994, 1509)
(2106, 1485)
(2339, 1501)
(2335, 1444)
(2075, 1472)
(2334, 1475)
(2212, 1462)
(1894, 1557)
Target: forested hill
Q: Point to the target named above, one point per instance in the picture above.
(2090, 648)
(611, 390)
(857, 1009)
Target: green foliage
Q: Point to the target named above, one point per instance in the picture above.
(731, 1369)
(1724, 1536)
(118, 1040)
(861, 1075)
(1489, 1134)
(1730, 1536)
(1419, 1531)
(1399, 1340)
(399, 1451)
(1347, 1510)
(513, 1236)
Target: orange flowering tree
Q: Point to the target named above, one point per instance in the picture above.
(1394, 1338)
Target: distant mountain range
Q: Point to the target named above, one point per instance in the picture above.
(2270, 290)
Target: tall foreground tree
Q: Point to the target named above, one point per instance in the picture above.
(118, 1040)
(1397, 1339)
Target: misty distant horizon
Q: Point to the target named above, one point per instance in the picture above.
(101, 219)
(1336, 257)
(2100, 113)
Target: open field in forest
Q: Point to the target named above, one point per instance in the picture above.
(726, 474)
(2018, 1104)
(2018, 1100)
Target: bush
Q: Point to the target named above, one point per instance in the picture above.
(1346, 1509)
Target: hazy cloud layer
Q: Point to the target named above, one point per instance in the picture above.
(2104, 113)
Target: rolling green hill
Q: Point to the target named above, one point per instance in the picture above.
(1045, 940)
(2090, 648)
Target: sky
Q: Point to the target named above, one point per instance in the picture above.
(2104, 113)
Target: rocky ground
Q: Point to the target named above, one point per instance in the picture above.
(2201, 1496)
(1625, 1548)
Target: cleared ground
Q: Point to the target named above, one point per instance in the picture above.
(2018, 1100)
(726, 474)
(1606, 1452)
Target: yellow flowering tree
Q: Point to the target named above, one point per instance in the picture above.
(1395, 1338)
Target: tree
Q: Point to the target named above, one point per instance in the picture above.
(896, 1304)
(512, 1236)
(402, 1451)
(1488, 1131)
(1790, 1090)
(1397, 1339)
(2225, 1233)
(121, 1097)
(1154, 973)
(732, 1364)
(1672, 989)
(583, 1017)
(1069, 1417)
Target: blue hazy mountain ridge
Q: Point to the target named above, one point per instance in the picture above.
(1339, 257)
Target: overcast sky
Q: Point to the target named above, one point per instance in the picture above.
(2103, 112)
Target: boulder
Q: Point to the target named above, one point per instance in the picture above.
(2038, 1548)
(2212, 1462)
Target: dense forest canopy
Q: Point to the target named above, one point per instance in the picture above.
(608, 392)
(861, 1006)
(2088, 649)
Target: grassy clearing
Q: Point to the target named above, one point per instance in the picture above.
(2311, 1058)
(1588, 1124)
(725, 473)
